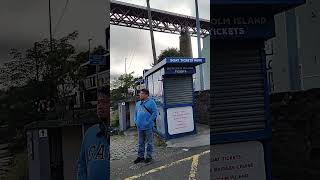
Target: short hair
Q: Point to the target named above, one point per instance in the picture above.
(146, 91)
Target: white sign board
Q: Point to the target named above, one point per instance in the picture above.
(180, 120)
(43, 133)
(238, 161)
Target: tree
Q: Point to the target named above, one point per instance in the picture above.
(36, 74)
(42, 65)
(82, 57)
(120, 88)
(21, 100)
(169, 52)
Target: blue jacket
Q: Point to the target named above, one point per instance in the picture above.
(143, 119)
(94, 158)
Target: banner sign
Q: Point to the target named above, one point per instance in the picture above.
(185, 60)
(97, 60)
(180, 70)
(243, 27)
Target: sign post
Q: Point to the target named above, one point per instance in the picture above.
(97, 60)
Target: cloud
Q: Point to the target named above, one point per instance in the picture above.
(24, 22)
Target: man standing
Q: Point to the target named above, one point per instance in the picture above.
(145, 114)
(94, 161)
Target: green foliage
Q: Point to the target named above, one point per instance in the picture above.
(125, 81)
(38, 73)
(99, 50)
(120, 88)
(115, 118)
(21, 100)
(170, 52)
(158, 141)
(39, 63)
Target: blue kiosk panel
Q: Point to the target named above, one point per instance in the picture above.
(170, 84)
(243, 22)
(247, 19)
(242, 26)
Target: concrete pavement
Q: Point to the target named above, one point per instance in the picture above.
(202, 138)
(182, 158)
(168, 163)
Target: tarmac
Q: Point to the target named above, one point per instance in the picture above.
(182, 158)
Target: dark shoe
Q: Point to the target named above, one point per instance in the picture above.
(138, 160)
(148, 160)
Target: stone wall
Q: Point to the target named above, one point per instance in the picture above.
(296, 135)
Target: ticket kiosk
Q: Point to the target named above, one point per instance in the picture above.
(170, 83)
(240, 118)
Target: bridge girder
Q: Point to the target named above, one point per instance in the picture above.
(134, 16)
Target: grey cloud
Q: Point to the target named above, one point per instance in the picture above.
(27, 21)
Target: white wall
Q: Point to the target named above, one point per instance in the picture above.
(280, 56)
(308, 20)
(206, 67)
(308, 43)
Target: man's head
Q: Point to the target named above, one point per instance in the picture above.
(144, 94)
(103, 106)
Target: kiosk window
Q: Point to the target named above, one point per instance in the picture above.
(178, 90)
(238, 88)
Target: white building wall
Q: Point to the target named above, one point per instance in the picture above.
(308, 43)
(308, 20)
(277, 47)
(308, 38)
(206, 67)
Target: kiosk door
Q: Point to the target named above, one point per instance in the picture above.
(178, 90)
(238, 87)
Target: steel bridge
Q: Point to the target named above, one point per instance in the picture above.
(134, 16)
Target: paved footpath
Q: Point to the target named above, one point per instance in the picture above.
(168, 163)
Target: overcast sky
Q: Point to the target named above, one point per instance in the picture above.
(135, 44)
(23, 22)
